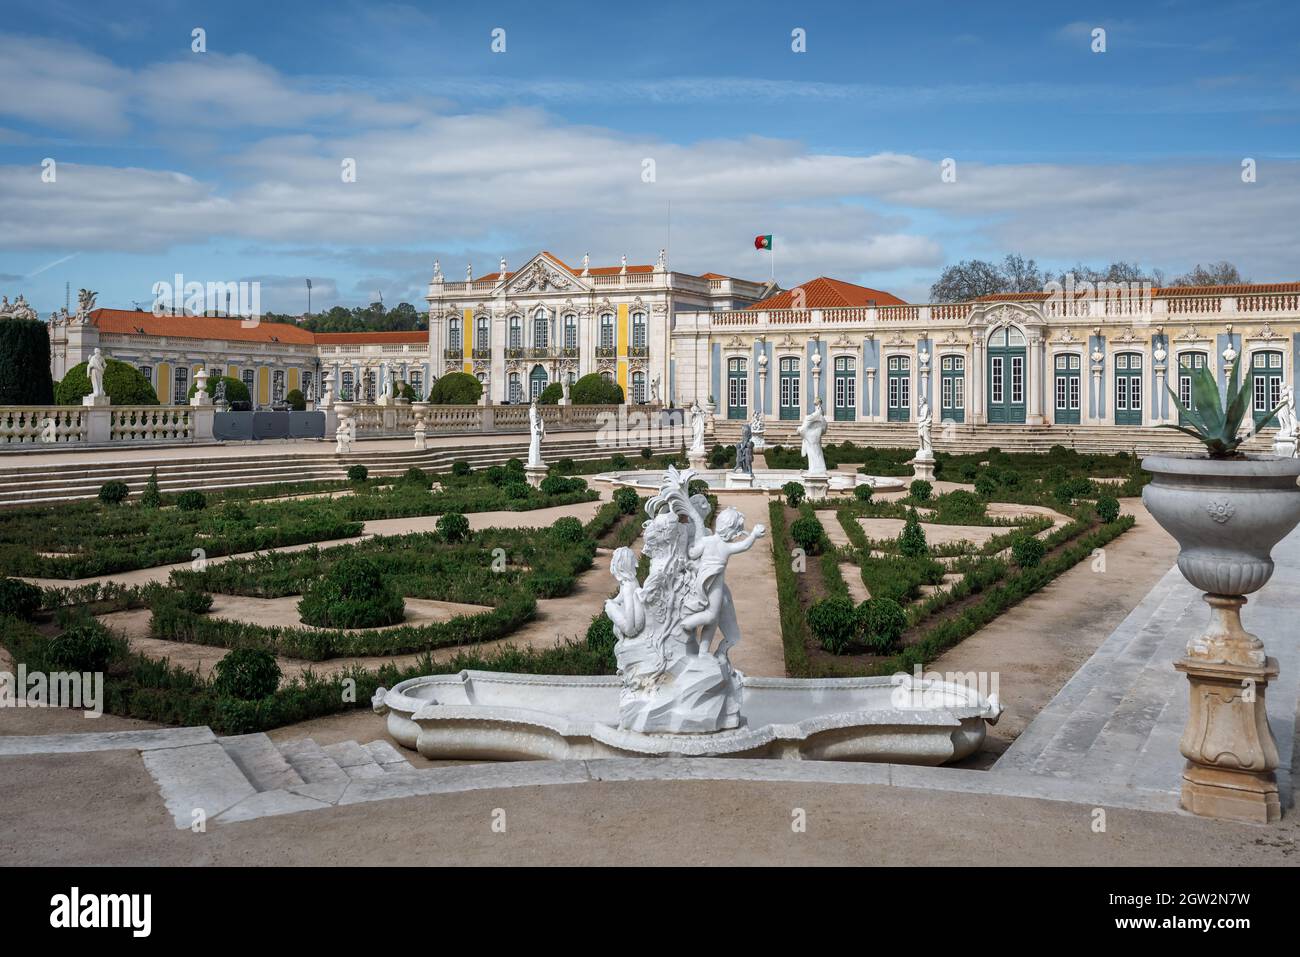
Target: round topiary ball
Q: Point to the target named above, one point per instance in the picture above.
(19, 599)
(453, 527)
(248, 674)
(352, 593)
(87, 646)
(863, 493)
(568, 530)
(358, 473)
(1108, 508)
(113, 493)
(832, 623)
(808, 534)
(1028, 551)
(191, 500)
(627, 500)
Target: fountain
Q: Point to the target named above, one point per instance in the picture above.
(677, 692)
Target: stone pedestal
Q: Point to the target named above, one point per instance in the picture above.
(421, 442)
(534, 474)
(740, 480)
(201, 421)
(96, 401)
(99, 423)
(1284, 445)
(923, 468)
(1230, 751)
(697, 459)
(816, 486)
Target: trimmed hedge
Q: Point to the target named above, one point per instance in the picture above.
(124, 384)
(456, 388)
(25, 363)
(352, 593)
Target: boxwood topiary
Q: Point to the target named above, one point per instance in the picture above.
(453, 527)
(627, 500)
(151, 497)
(601, 638)
(911, 541)
(832, 622)
(124, 385)
(236, 390)
(618, 460)
(456, 388)
(352, 593)
(19, 599)
(1108, 508)
(921, 490)
(1028, 551)
(793, 492)
(191, 500)
(808, 534)
(86, 646)
(517, 491)
(248, 674)
(460, 467)
(880, 623)
(568, 530)
(595, 389)
(113, 493)
(358, 473)
(863, 493)
(295, 400)
(25, 363)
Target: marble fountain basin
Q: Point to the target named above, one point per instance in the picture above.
(491, 716)
(764, 481)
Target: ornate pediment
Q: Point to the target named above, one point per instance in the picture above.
(1265, 333)
(1066, 335)
(1191, 334)
(542, 275)
(895, 338)
(842, 341)
(1127, 337)
(734, 343)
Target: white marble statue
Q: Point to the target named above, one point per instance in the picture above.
(698, 422)
(811, 430)
(923, 426)
(386, 396)
(673, 682)
(564, 388)
(757, 428)
(536, 429)
(95, 367)
(654, 389)
(1287, 441)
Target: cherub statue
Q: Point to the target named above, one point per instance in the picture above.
(711, 598)
(625, 609)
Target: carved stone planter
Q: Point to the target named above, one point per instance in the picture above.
(1226, 516)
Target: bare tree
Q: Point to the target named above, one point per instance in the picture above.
(1222, 273)
(969, 279)
(1021, 274)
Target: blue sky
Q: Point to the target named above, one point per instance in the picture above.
(224, 165)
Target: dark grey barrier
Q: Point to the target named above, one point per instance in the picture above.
(247, 426)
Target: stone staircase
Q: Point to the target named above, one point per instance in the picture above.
(961, 439)
(1117, 722)
(37, 483)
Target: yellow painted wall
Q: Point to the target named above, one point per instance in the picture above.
(263, 385)
(621, 341)
(294, 381)
(164, 388)
(467, 338)
(233, 372)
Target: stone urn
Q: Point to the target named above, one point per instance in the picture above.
(1226, 515)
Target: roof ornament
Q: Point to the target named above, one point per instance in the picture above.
(623, 268)
(437, 271)
(586, 264)
(503, 268)
(469, 272)
(662, 264)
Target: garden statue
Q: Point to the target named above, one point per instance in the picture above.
(697, 428)
(18, 309)
(671, 681)
(564, 388)
(85, 304)
(1285, 442)
(536, 429)
(811, 430)
(95, 367)
(327, 396)
(219, 394)
(654, 390)
(745, 452)
(923, 425)
(757, 428)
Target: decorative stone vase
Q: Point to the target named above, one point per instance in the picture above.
(1226, 515)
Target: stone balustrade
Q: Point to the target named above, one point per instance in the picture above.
(375, 419)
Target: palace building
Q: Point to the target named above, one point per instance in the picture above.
(737, 346)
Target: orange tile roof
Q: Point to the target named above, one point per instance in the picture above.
(826, 293)
(130, 322)
(420, 336)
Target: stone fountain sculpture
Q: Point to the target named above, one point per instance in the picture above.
(673, 680)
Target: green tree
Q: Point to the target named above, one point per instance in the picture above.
(595, 389)
(25, 363)
(236, 391)
(124, 384)
(456, 388)
(911, 541)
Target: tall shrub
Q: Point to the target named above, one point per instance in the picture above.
(456, 388)
(25, 363)
(124, 384)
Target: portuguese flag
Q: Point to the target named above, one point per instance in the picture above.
(763, 242)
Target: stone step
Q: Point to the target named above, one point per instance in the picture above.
(357, 762)
(311, 762)
(260, 760)
(387, 756)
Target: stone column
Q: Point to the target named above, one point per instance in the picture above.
(1033, 381)
(1098, 366)
(202, 414)
(975, 380)
(1157, 402)
(873, 405)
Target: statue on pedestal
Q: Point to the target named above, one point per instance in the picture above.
(923, 426)
(757, 430)
(1286, 441)
(811, 430)
(745, 452)
(95, 368)
(654, 390)
(698, 421)
(536, 429)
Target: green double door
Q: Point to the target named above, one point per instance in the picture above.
(952, 389)
(1067, 388)
(737, 389)
(1266, 384)
(1188, 363)
(1006, 376)
(1128, 388)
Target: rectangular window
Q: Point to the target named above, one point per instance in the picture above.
(893, 392)
(995, 380)
(1261, 398)
(1274, 392)
(277, 385)
(1017, 380)
(1074, 393)
(181, 387)
(905, 386)
(1135, 393)
(1061, 392)
(852, 385)
(1121, 393)
(947, 393)
(959, 393)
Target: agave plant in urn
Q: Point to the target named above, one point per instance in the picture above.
(1227, 510)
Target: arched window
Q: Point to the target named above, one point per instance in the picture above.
(570, 331)
(638, 386)
(541, 328)
(516, 332)
(607, 330)
(638, 330)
